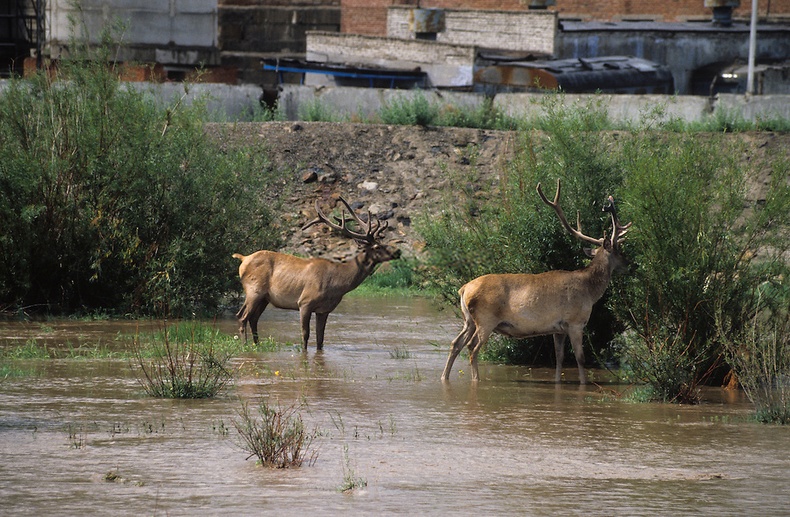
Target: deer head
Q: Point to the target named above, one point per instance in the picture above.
(368, 236)
(610, 245)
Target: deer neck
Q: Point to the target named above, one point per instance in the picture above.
(599, 272)
(356, 269)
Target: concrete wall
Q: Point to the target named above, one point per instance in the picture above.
(180, 32)
(447, 65)
(366, 102)
(225, 103)
(527, 31)
(229, 103)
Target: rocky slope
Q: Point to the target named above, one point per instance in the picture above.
(396, 172)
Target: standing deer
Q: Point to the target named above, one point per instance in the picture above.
(313, 285)
(554, 302)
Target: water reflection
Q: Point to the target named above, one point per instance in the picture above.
(514, 444)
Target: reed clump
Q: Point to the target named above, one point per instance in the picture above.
(276, 435)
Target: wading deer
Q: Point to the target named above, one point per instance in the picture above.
(312, 285)
(554, 302)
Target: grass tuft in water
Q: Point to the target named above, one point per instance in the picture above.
(351, 481)
(187, 361)
(276, 435)
(400, 352)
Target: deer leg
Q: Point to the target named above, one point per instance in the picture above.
(250, 313)
(254, 316)
(242, 321)
(304, 316)
(458, 344)
(577, 339)
(320, 325)
(559, 355)
(476, 344)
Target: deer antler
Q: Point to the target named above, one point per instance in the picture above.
(371, 232)
(618, 230)
(558, 209)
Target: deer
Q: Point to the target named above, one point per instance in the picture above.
(556, 303)
(311, 285)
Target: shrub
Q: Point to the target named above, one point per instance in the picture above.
(275, 435)
(760, 356)
(110, 202)
(317, 111)
(484, 116)
(695, 250)
(186, 361)
(415, 110)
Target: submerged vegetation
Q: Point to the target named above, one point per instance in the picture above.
(184, 361)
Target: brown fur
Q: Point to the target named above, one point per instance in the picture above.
(525, 305)
(311, 285)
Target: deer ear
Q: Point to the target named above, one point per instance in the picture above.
(591, 252)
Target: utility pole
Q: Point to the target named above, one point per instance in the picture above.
(752, 50)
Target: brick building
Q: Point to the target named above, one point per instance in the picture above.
(370, 16)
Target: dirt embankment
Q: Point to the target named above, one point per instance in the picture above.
(397, 172)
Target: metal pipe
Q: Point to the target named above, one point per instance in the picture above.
(752, 50)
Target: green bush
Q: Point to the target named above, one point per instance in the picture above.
(484, 116)
(695, 248)
(415, 110)
(759, 353)
(317, 111)
(107, 201)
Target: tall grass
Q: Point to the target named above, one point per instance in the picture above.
(759, 353)
(414, 110)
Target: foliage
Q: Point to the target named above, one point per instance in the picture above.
(108, 201)
(693, 246)
(185, 361)
(30, 350)
(276, 435)
(415, 110)
(484, 116)
(317, 111)
(351, 481)
(759, 353)
(395, 276)
(696, 251)
(729, 121)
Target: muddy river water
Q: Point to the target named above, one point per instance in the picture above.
(79, 436)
